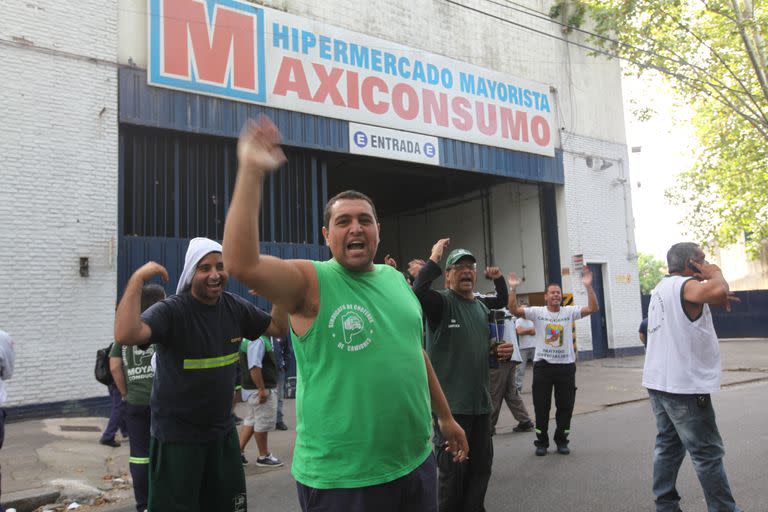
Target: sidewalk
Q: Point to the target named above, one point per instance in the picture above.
(60, 459)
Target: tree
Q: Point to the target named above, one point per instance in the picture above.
(650, 271)
(713, 54)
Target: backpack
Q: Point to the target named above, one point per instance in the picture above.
(101, 370)
(268, 369)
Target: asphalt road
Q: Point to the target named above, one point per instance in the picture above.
(609, 468)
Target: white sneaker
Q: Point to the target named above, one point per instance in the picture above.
(269, 460)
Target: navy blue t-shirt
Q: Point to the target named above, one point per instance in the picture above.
(197, 353)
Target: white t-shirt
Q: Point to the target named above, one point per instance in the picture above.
(554, 333)
(682, 355)
(256, 350)
(525, 340)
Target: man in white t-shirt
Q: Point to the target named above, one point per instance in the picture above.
(554, 362)
(682, 368)
(526, 338)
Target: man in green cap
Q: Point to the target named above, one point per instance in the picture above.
(458, 346)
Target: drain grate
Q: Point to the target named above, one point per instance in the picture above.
(79, 428)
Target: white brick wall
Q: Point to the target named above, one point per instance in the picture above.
(58, 192)
(595, 219)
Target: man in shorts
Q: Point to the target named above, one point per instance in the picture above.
(260, 395)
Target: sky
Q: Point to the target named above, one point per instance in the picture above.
(666, 142)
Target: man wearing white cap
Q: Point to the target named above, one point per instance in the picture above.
(194, 453)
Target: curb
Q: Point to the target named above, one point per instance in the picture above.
(30, 499)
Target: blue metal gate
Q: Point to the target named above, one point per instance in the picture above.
(176, 186)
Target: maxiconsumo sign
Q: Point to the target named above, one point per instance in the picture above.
(248, 53)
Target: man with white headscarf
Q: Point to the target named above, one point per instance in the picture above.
(7, 358)
(194, 452)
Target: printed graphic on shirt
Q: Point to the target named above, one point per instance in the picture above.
(239, 503)
(141, 357)
(554, 335)
(351, 327)
(454, 324)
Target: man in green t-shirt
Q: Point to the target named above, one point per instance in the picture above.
(458, 346)
(364, 384)
(132, 371)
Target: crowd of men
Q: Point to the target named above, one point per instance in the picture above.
(391, 402)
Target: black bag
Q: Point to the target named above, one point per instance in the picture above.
(268, 371)
(101, 370)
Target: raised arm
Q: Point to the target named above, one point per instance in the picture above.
(592, 304)
(502, 294)
(129, 328)
(431, 302)
(512, 304)
(709, 287)
(282, 282)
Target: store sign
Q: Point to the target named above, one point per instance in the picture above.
(248, 53)
(393, 144)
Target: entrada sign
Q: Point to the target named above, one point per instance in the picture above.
(248, 53)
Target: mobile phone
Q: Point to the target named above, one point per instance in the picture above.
(691, 266)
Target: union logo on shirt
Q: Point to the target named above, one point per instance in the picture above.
(351, 327)
(553, 335)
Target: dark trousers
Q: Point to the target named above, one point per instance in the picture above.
(197, 477)
(137, 419)
(562, 379)
(414, 492)
(461, 487)
(116, 417)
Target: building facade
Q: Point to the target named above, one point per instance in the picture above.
(482, 124)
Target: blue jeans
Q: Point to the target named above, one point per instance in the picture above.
(116, 417)
(687, 423)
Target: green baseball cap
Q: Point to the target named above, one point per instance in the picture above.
(456, 254)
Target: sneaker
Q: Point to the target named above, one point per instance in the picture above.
(281, 426)
(541, 451)
(243, 459)
(269, 460)
(524, 427)
(563, 449)
(110, 442)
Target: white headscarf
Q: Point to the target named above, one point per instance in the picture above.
(198, 249)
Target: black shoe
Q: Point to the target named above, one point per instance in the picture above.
(281, 426)
(563, 449)
(541, 451)
(110, 442)
(524, 427)
(243, 459)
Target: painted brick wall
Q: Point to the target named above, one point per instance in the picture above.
(595, 219)
(58, 193)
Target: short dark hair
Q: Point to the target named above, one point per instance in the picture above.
(150, 294)
(553, 283)
(347, 194)
(679, 254)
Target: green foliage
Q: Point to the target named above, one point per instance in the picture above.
(713, 54)
(650, 271)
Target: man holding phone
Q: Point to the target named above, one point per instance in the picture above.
(682, 368)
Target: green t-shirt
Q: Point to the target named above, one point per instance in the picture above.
(363, 412)
(137, 370)
(458, 349)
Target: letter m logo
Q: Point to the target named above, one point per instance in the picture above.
(213, 47)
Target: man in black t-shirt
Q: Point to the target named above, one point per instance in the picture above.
(194, 454)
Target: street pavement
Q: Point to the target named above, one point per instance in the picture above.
(609, 469)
